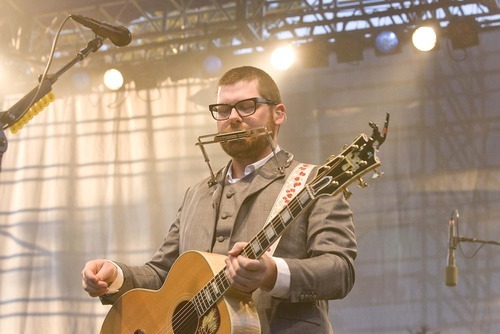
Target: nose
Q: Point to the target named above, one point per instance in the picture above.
(234, 115)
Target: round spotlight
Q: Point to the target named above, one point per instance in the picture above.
(212, 64)
(387, 42)
(282, 58)
(113, 79)
(424, 38)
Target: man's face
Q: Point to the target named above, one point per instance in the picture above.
(253, 147)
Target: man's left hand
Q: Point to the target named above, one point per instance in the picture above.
(246, 274)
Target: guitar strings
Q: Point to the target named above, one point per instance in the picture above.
(184, 318)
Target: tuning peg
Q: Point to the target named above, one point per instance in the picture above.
(347, 193)
(361, 183)
(377, 174)
(331, 158)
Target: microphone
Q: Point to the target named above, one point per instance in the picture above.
(451, 276)
(118, 35)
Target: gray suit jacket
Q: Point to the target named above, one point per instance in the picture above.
(319, 247)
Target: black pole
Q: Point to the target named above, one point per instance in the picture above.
(11, 116)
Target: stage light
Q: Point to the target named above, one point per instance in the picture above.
(424, 38)
(212, 64)
(113, 79)
(282, 58)
(463, 32)
(387, 42)
(349, 48)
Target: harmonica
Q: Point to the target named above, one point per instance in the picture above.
(234, 135)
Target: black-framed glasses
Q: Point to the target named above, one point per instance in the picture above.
(244, 108)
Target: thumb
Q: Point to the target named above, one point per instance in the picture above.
(107, 272)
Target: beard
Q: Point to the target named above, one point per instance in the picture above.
(250, 147)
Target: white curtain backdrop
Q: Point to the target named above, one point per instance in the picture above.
(91, 176)
(102, 175)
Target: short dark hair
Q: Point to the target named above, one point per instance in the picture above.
(266, 85)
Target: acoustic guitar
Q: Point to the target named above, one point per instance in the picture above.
(197, 296)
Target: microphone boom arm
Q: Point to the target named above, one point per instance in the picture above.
(16, 112)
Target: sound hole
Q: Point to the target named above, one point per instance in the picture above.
(185, 319)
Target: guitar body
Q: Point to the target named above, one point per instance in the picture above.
(170, 309)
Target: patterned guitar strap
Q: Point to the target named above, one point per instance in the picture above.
(293, 185)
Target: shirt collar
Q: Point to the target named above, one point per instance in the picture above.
(252, 167)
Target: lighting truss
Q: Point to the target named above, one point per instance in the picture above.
(166, 28)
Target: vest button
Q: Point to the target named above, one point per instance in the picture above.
(220, 238)
(229, 194)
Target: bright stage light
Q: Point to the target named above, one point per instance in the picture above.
(283, 58)
(424, 38)
(113, 79)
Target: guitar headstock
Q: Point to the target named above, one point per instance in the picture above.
(351, 164)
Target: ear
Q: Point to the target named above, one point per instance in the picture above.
(279, 114)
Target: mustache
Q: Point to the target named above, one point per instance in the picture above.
(241, 134)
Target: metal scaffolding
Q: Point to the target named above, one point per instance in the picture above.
(167, 28)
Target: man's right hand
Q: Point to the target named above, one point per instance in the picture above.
(97, 276)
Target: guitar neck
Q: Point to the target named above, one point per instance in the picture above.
(275, 228)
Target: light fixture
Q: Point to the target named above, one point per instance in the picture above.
(349, 47)
(424, 38)
(113, 79)
(315, 54)
(463, 32)
(387, 42)
(282, 58)
(212, 64)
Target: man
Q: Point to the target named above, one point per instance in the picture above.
(313, 261)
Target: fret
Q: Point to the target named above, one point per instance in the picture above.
(197, 305)
(215, 288)
(203, 302)
(256, 248)
(208, 294)
(286, 215)
(270, 232)
(264, 241)
(279, 224)
(303, 198)
(248, 251)
(223, 280)
(295, 208)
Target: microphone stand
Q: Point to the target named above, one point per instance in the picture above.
(484, 242)
(11, 116)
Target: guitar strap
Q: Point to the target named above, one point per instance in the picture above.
(293, 185)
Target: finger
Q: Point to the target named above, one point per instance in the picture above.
(241, 278)
(107, 272)
(237, 248)
(95, 291)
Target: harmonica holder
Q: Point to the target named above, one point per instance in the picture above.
(232, 136)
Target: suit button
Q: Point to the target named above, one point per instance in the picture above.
(229, 194)
(220, 238)
(225, 215)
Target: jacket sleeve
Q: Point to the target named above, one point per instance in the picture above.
(326, 246)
